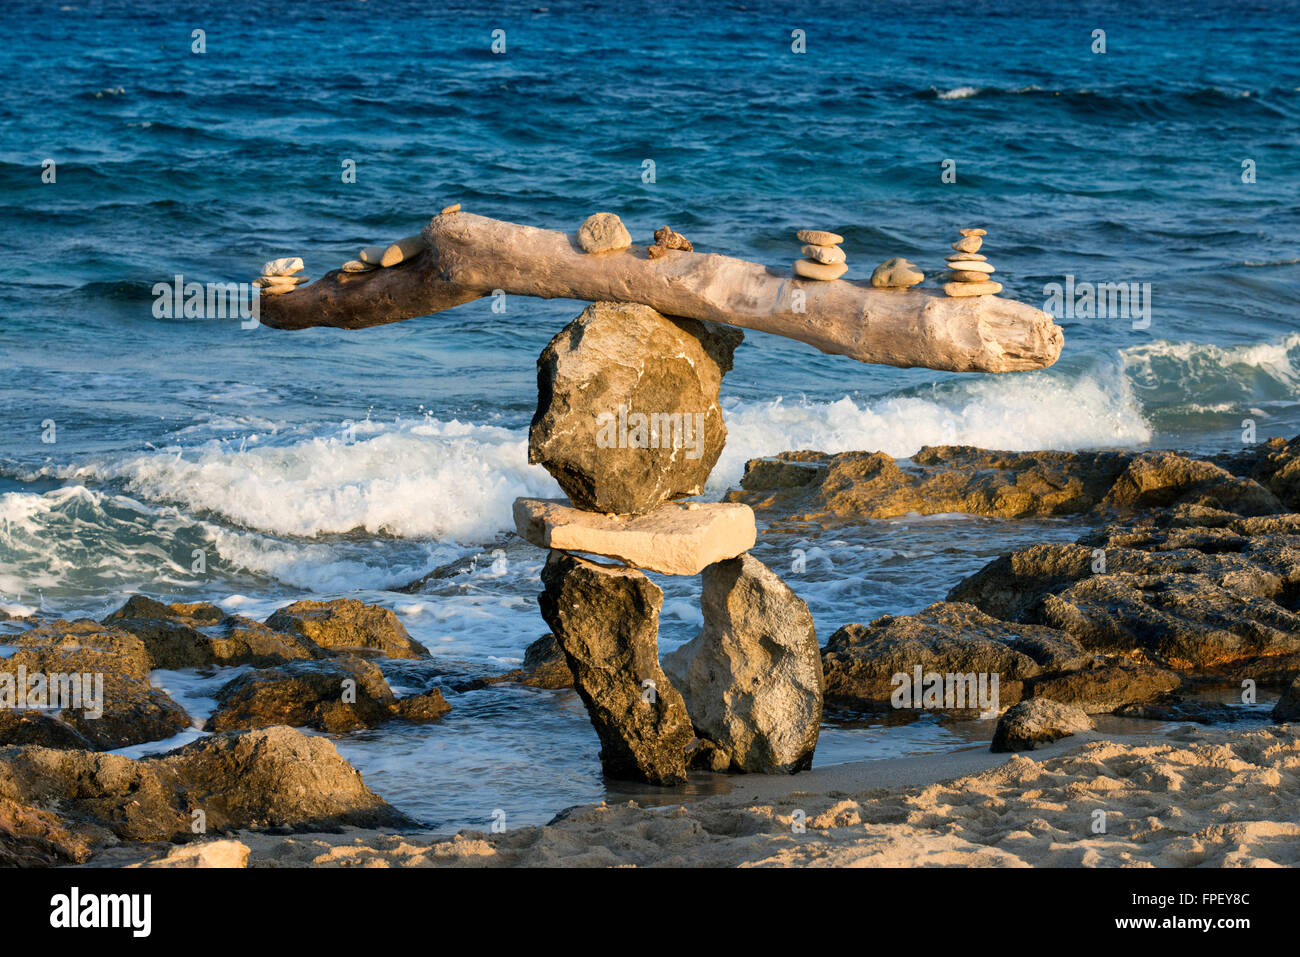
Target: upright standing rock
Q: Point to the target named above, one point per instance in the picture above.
(606, 618)
(752, 677)
(627, 411)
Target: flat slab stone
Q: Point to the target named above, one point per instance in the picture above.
(674, 539)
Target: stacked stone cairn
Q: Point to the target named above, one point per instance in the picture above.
(823, 257)
(628, 422)
(970, 273)
(280, 276)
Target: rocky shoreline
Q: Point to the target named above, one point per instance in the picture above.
(1188, 583)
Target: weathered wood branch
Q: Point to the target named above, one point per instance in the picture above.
(471, 256)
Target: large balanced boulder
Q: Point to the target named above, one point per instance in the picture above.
(627, 413)
(607, 621)
(1035, 722)
(752, 677)
(350, 625)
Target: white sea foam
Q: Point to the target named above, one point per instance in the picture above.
(958, 93)
(1041, 410)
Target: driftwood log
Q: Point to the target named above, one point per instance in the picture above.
(472, 256)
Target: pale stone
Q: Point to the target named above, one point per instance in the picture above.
(372, 254)
(973, 232)
(674, 539)
(960, 289)
(896, 273)
(970, 265)
(207, 854)
(282, 267)
(824, 254)
(967, 275)
(448, 210)
(966, 257)
(402, 250)
(356, 265)
(811, 270)
(603, 233)
(279, 280)
(818, 237)
(970, 244)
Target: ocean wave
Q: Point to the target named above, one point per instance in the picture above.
(1171, 372)
(1040, 410)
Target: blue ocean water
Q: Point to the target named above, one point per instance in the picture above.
(348, 463)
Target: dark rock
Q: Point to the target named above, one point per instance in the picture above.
(859, 662)
(195, 635)
(273, 777)
(423, 708)
(940, 479)
(703, 755)
(31, 837)
(752, 677)
(133, 711)
(1288, 706)
(606, 619)
(1164, 479)
(626, 356)
(1104, 686)
(1035, 722)
(1173, 708)
(36, 727)
(545, 665)
(348, 624)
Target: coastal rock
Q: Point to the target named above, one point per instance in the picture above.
(674, 539)
(961, 289)
(274, 777)
(133, 711)
(628, 414)
(335, 695)
(33, 837)
(1105, 686)
(545, 665)
(818, 237)
(1288, 706)
(668, 239)
(1162, 479)
(824, 254)
(824, 272)
(203, 854)
(1275, 464)
(37, 727)
(752, 677)
(896, 273)
(349, 624)
(860, 662)
(607, 620)
(1036, 722)
(603, 233)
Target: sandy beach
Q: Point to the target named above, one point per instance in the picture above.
(1193, 798)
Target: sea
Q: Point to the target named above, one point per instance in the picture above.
(1151, 145)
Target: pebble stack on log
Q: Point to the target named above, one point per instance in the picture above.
(280, 276)
(970, 273)
(823, 258)
(628, 421)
